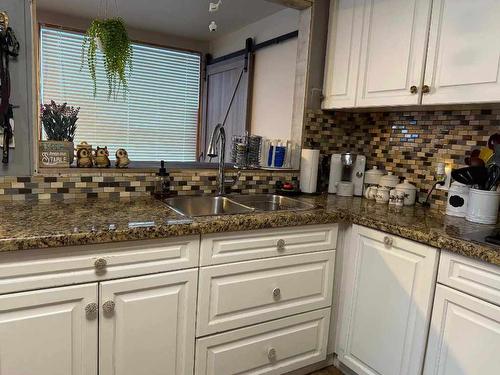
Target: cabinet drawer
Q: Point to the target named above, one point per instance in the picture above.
(35, 269)
(237, 295)
(237, 246)
(275, 347)
(471, 276)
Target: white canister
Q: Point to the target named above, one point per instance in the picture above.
(409, 191)
(372, 176)
(382, 195)
(483, 206)
(458, 198)
(389, 180)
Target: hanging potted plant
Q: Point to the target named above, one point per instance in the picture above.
(59, 125)
(110, 36)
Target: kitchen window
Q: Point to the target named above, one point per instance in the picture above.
(157, 119)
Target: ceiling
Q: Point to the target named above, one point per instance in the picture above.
(187, 18)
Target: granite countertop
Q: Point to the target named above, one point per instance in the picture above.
(37, 225)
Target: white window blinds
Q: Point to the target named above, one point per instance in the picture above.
(158, 118)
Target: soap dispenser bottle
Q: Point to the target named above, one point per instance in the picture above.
(162, 184)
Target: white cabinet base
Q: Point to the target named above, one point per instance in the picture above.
(386, 298)
(47, 332)
(271, 348)
(464, 338)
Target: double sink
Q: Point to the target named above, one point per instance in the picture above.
(234, 204)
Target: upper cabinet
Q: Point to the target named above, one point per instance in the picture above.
(410, 52)
(392, 52)
(342, 56)
(464, 52)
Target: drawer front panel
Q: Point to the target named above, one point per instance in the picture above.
(275, 347)
(266, 243)
(236, 295)
(35, 269)
(471, 276)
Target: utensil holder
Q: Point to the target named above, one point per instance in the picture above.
(483, 206)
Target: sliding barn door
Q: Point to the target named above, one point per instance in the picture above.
(221, 80)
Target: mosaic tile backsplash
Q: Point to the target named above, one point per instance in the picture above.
(408, 143)
(129, 184)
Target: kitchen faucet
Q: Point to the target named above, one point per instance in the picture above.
(218, 138)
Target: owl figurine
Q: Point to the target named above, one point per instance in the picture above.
(122, 160)
(83, 158)
(101, 157)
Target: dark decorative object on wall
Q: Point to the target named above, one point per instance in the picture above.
(9, 48)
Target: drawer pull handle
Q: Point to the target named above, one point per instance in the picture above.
(271, 354)
(91, 311)
(100, 264)
(281, 245)
(108, 307)
(277, 293)
(388, 241)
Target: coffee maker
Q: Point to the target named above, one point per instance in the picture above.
(347, 167)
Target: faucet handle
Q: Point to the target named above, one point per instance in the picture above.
(233, 180)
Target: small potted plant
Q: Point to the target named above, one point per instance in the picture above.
(110, 36)
(59, 125)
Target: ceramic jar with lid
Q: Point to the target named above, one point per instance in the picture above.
(372, 179)
(410, 192)
(458, 198)
(389, 180)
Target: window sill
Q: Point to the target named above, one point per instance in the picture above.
(143, 167)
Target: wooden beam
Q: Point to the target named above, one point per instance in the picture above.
(296, 4)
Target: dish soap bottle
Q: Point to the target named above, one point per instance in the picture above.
(162, 183)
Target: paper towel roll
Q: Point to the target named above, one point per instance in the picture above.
(309, 160)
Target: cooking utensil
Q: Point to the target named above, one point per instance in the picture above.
(485, 154)
(493, 177)
(471, 176)
(493, 141)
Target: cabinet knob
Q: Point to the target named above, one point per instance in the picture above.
(426, 89)
(388, 241)
(281, 245)
(100, 264)
(108, 307)
(91, 311)
(414, 89)
(276, 293)
(271, 354)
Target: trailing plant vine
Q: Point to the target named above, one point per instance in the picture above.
(111, 36)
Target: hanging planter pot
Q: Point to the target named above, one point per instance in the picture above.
(110, 36)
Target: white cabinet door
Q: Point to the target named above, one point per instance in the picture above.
(387, 289)
(151, 328)
(245, 293)
(271, 348)
(393, 52)
(465, 335)
(342, 57)
(47, 332)
(464, 52)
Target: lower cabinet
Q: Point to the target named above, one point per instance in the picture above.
(274, 347)
(49, 332)
(147, 324)
(464, 338)
(144, 325)
(385, 302)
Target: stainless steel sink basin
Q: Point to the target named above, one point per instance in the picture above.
(271, 202)
(207, 206)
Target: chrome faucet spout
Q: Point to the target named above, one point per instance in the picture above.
(217, 147)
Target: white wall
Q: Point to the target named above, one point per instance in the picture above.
(274, 76)
(274, 82)
(79, 23)
(277, 24)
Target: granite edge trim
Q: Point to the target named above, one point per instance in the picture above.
(255, 221)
